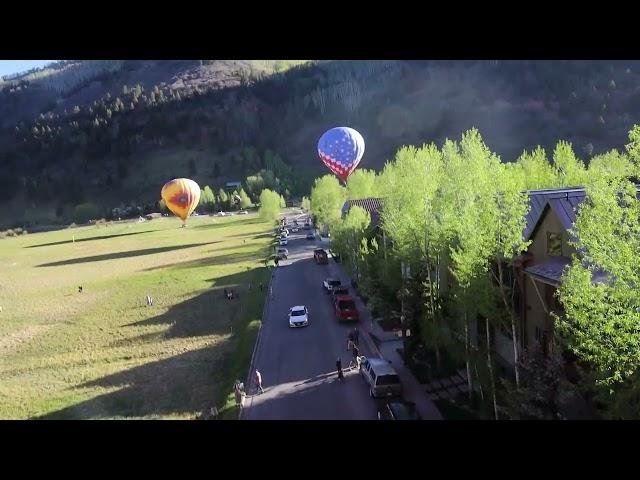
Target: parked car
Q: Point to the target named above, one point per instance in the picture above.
(298, 316)
(339, 290)
(311, 236)
(295, 229)
(283, 242)
(282, 253)
(329, 283)
(320, 256)
(345, 308)
(381, 377)
(243, 212)
(398, 410)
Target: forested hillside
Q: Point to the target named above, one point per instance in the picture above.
(112, 132)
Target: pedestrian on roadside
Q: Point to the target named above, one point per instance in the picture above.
(356, 336)
(350, 341)
(339, 368)
(356, 352)
(226, 294)
(261, 286)
(259, 381)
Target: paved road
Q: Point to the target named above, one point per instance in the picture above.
(298, 365)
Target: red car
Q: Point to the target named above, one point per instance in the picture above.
(346, 309)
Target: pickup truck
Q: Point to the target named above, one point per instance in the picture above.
(329, 283)
(320, 256)
(345, 308)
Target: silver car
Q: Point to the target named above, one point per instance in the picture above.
(382, 379)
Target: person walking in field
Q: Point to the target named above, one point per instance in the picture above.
(259, 381)
(149, 301)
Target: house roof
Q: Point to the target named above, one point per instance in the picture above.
(372, 205)
(551, 270)
(563, 201)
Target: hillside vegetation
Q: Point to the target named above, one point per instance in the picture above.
(112, 132)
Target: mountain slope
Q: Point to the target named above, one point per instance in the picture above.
(111, 132)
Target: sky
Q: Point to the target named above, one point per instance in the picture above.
(8, 67)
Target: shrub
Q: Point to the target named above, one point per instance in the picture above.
(84, 212)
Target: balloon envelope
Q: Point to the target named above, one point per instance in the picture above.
(181, 196)
(341, 150)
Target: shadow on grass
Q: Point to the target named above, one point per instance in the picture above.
(209, 313)
(221, 224)
(188, 382)
(264, 235)
(254, 234)
(127, 254)
(213, 261)
(78, 240)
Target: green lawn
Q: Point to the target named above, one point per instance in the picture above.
(104, 353)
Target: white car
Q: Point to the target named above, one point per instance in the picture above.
(283, 242)
(298, 316)
(243, 212)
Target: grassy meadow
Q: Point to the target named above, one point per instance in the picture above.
(104, 353)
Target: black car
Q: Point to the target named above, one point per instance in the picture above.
(398, 410)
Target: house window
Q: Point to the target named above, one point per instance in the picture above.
(554, 244)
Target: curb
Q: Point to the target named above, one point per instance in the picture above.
(255, 346)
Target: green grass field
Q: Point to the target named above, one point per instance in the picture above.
(104, 353)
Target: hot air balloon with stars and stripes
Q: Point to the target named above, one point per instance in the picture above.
(341, 150)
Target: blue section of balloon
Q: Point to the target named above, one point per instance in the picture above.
(341, 150)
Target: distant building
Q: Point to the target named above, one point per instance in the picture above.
(371, 205)
(231, 186)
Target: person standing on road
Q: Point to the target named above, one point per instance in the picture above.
(350, 341)
(339, 368)
(259, 381)
(356, 352)
(356, 336)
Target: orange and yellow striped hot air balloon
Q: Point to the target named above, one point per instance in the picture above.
(181, 196)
